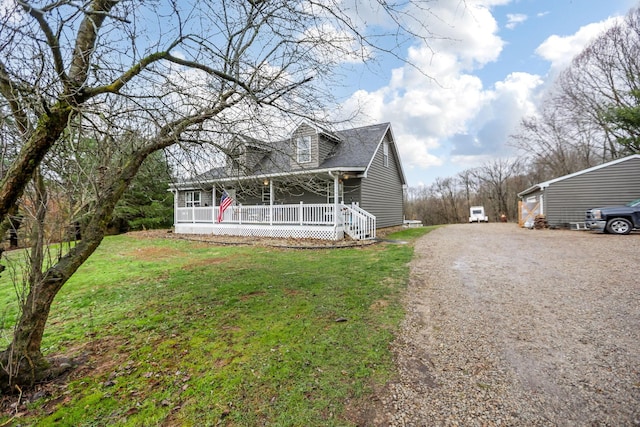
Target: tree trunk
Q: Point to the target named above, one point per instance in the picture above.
(23, 363)
(50, 127)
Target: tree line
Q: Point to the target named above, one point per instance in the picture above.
(590, 115)
(493, 185)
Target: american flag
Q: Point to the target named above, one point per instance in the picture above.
(225, 202)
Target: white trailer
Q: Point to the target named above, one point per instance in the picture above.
(476, 214)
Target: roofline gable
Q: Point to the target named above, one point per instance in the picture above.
(320, 131)
(389, 131)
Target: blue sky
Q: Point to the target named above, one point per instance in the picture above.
(497, 57)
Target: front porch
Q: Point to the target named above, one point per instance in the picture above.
(299, 221)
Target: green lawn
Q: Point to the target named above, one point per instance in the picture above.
(190, 334)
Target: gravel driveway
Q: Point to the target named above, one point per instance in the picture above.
(515, 327)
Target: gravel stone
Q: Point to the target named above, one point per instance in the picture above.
(515, 327)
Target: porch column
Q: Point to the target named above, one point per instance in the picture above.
(270, 202)
(336, 194)
(213, 205)
(175, 207)
(301, 213)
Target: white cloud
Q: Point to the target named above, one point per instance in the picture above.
(560, 50)
(418, 146)
(468, 33)
(437, 97)
(499, 116)
(6, 5)
(513, 19)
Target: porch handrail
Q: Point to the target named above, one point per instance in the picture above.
(358, 223)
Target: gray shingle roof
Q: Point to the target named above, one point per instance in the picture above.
(354, 151)
(357, 147)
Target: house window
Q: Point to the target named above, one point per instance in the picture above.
(385, 154)
(266, 194)
(303, 149)
(192, 199)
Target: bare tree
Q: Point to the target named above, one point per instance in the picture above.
(497, 183)
(556, 146)
(447, 191)
(124, 79)
(443, 202)
(469, 185)
(591, 115)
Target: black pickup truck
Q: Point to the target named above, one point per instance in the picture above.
(614, 219)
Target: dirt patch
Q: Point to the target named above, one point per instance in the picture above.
(154, 253)
(379, 305)
(253, 294)
(211, 261)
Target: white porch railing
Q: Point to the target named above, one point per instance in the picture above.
(354, 221)
(313, 214)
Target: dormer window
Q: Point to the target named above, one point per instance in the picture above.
(303, 149)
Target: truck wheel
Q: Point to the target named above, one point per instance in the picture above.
(619, 226)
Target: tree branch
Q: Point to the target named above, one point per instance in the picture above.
(127, 76)
(9, 92)
(52, 40)
(86, 40)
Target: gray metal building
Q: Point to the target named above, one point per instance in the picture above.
(564, 200)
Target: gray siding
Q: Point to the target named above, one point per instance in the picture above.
(567, 200)
(296, 195)
(325, 146)
(244, 198)
(382, 190)
(207, 198)
(353, 191)
(293, 195)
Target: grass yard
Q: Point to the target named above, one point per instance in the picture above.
(178, 333)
